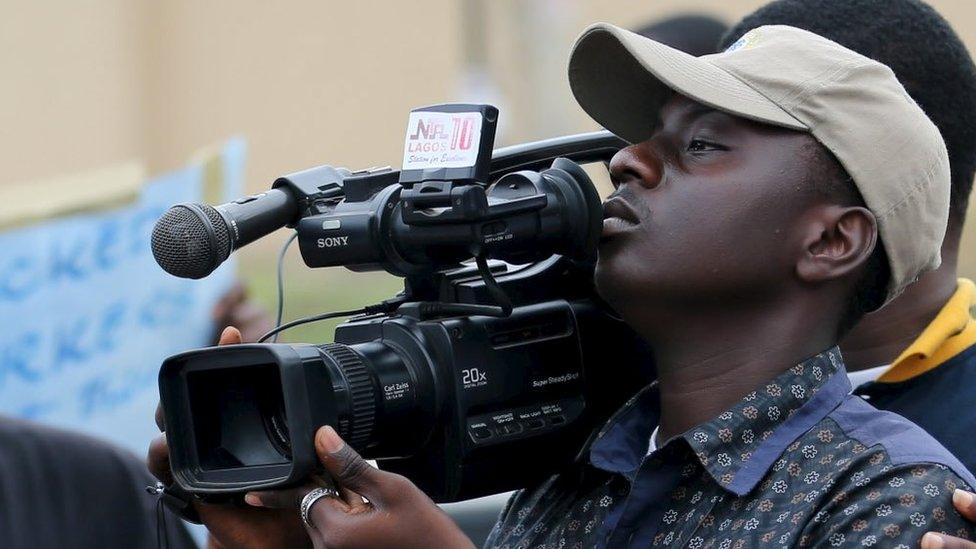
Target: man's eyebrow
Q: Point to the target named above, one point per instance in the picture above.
(685, 115)
(697, 111)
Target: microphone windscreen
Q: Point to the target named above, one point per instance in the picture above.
(190, 240)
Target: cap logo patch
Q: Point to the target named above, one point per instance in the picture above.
(748, 41)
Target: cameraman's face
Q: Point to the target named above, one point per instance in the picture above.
(702, 212)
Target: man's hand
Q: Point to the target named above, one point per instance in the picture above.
(965, 503)
(233, 526)
(395, 512)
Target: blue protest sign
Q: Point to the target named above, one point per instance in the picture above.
(88, 316)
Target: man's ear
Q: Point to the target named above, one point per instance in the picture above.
(837, 240)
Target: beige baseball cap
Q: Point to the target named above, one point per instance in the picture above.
(792, 78)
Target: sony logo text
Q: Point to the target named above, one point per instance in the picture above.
(333, 241)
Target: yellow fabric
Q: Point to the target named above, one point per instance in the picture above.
(25, 203)
(952, 331)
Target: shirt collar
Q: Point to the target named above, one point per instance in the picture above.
(952, 331)
(621, 443)
(739, 446)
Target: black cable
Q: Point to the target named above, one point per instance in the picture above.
(162, 534)
(281, 282)
(384, 307)
(434, 309)
(387, 306)
(306, 320)
(494, 290)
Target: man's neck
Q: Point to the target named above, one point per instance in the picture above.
(880, 337)
(718, 359)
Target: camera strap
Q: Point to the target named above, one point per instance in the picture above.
(178, 500)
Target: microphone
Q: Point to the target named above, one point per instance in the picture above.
(191, 240)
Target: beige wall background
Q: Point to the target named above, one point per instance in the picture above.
(88, 83)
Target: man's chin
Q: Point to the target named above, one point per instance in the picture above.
(608, 282)
(623, 283)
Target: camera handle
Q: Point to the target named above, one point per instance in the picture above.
(437, 202)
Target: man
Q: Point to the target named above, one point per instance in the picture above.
(917, 356)
(920, 350)
(741, 249)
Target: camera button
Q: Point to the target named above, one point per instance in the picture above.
(481, 433)
(511, 428)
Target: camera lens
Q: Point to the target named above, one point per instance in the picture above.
(356, 425)
(384, 396)
(276, 425)
(239, 416)
(252, 410)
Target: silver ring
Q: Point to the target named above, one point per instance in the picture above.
(310, 498)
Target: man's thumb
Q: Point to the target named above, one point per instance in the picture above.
(346, 466)
(230, 336)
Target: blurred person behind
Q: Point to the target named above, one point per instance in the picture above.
(63, 489)
(694, 34)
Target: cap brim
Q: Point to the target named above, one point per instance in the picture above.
(622, 80)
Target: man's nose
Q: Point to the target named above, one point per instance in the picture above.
(639, 164)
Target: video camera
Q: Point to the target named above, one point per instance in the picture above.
(480, 377)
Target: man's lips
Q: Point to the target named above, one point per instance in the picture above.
(618, 207)
(618, 217)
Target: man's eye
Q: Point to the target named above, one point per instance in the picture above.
(700, 145)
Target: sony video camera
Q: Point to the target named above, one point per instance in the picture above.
(487, 373)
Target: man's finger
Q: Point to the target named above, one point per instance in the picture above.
(347, 467)
(290, 498)
(158, 459)
(160, 419)
(329, 516)
(965, 503)
(230, 336)
(353, 500)
(932, 540)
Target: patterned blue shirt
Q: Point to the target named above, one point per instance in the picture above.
(798, 462)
